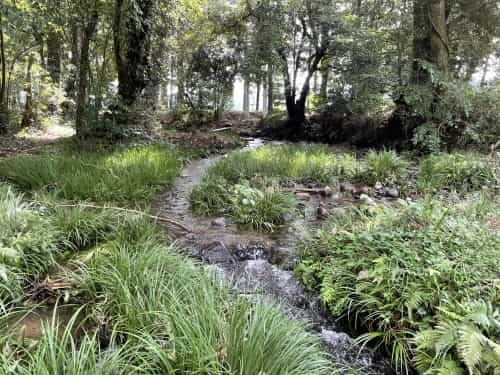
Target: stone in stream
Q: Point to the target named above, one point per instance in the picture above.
(219, 222)
(346, 187)
(392, 193)
(379, 186)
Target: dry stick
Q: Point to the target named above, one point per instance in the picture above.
(159, 218)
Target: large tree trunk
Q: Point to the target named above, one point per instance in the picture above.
(439, 42)
(54, 56)
(421, 40)
(132, 39)
(83, 76)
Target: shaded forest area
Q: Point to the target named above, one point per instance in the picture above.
(249, 187)
(369, 72)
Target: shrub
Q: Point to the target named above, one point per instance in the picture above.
(211, 197)
(261, 210)
(463, 172)
(394, 273)
(383, 166)
(125, 176)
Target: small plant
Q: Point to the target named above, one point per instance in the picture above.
(462, 172)
(211, 197)
(261, 210)
(384, 166)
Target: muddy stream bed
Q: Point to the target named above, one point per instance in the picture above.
(262, 264)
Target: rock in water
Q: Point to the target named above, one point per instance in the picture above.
(379, 186)
(219, 222)
(345, 187)
(392, 193)
(367, 200)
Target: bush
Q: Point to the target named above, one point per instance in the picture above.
(398, 273)
(386, 167)
(261, 210)
(125, 176)
(463, 172)
(211, 197)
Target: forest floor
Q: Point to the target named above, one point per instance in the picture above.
(272, 220)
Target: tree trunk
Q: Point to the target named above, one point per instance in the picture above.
(71, 83)
(270, 89)
(54, 56)
(3, 107)
(132, 40)
(421, 40)
(323, 90)
(439, 35)
(29, 113)
(257, 103)
(246, 96)
(83, 81)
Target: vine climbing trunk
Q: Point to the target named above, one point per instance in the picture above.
(131, 31)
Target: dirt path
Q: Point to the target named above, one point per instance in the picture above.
(259, 264)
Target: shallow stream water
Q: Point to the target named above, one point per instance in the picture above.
(261, 264)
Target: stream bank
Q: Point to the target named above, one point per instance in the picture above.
(262, 264)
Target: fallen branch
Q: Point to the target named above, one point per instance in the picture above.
(158, 218)
(220, 129)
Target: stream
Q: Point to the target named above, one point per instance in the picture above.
(262, 264)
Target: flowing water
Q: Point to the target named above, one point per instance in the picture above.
(260, 264)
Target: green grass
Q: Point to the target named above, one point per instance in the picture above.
(164, 316)
(413, 277)
(286, 163)
(461, 172)
(124, 176)
(36, 236)
(386, 167)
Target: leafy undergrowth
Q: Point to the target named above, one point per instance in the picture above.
(461, 172)
(248, 185)
(154, 312)
(421, 279)
(124, 176)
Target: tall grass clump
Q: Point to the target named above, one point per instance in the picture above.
(461, 172)
(260, 209)
(422, 279)
(287, 163)
(124, 176)
(386, 167)
(170, 317)
(60, 350)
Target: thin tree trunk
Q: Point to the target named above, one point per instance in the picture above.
(3, 106)
(29, 113)
(421, 40)
(485, 71)
(246, 96)
(270, 89)
(257, 104)
(83, 83)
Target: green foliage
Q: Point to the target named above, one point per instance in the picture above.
(463, 172)
(394, 271)
(383, 166)
(455, 113)
(261, 210)
(125, 176)
(469, 331)
(170, 317)
(211, 197)
(286, 163)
